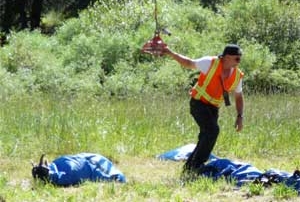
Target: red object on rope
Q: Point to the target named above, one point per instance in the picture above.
(154, 46)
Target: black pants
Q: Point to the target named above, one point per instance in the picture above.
(206, 117)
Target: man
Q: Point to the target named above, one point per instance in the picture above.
(219, 75)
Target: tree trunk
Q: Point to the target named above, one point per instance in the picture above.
(8, 15)
(20, 5)
(35, 16)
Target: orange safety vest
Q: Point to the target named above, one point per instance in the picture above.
(209, 88)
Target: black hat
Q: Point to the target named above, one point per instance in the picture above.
(231, 49)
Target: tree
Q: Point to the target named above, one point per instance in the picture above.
(8, 16)
(14, 13)
(35, 15)
(20, 8)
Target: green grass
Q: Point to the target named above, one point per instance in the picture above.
(131, 132)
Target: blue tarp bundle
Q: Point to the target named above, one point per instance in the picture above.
(180, 153)
(240, 172)
(73, 169)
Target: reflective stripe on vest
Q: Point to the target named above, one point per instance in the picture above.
(236, 80)
(201, 90)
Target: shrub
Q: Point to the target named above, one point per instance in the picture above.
(68, 30)
(81, 54)
(126, 80)
(272, 23)
(29, 57)
(27, 50)
(10, 84)
(50, 21)
(169, 78)
(100, 52)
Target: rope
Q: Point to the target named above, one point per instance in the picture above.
(155, 17)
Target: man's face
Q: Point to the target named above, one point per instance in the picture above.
(233, 60)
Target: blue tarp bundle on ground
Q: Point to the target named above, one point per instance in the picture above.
(233, 170)
(73, 169)
(180, 153)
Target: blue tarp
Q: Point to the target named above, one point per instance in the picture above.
(180, 153)
(73, 169)
(240, 172)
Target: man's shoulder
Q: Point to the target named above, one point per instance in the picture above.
(204, 63)
(205, 59)
(210, 58)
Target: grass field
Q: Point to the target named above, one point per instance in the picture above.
(132, 132)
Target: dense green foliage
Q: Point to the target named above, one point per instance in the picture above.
(99, 52)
